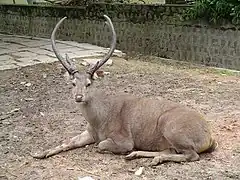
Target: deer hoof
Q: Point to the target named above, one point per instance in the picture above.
(39, 156)
(131, 156)
(101, 151)
(156, 160)
(42, 155)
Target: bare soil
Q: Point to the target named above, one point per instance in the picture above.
(41, 115)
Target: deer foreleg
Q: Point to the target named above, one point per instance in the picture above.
(78, 141)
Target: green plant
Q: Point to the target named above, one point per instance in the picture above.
(215, 10)
(236, 15)
(83, 2)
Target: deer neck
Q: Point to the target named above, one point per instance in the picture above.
(93, 109)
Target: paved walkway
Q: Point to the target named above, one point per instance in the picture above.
(20, 51)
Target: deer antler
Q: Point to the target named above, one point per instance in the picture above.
(93, 69)
(67, 63)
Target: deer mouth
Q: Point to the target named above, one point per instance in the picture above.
(79, 98)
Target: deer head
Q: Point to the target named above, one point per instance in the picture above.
(81, 81)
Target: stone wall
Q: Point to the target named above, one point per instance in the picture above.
(146, 29)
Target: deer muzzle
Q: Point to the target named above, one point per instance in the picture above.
(79, 98)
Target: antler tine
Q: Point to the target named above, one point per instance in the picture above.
(72, 66)
(67, 64)
(92, 70)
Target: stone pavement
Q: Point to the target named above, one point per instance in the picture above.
(20, 51)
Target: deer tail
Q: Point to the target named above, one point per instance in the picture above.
(212, 147)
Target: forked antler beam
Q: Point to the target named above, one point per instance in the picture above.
(68, 64)
(93, 69)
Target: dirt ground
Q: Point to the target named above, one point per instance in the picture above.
(40, 115)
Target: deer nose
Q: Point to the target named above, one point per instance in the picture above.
(78, 98)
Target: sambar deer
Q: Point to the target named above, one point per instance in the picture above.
(131, 125)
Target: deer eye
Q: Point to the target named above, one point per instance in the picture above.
(88, 84)
(74, 84)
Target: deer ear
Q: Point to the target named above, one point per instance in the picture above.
(68, 77)
(100, 73)
(71, 77)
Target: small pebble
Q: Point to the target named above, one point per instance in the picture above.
(139, 171)
(28, 84)
(29, 99)
(85, 178)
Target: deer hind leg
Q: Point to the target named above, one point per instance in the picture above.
(183, 146)
(146, 154)
(76, 142)
(188, 155)
(114, 146)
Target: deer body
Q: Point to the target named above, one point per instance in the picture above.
(147, 123)
(158, 128)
